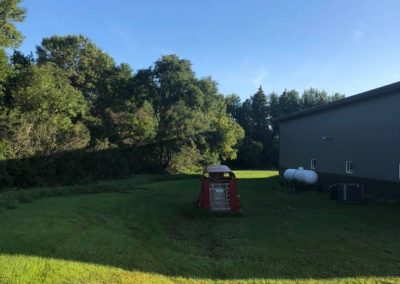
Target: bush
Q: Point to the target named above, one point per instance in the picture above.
(8, 201)
(24, 197)
(77, 167)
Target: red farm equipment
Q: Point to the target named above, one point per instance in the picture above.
(219, 190)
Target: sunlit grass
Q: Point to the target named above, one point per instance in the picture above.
(246, 174)
(31, 269)
(153, 233)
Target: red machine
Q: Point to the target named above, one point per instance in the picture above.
(219, 189)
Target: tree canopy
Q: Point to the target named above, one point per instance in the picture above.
(73, 97)
(189, 113)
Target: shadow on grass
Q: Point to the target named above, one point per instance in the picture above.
(279, 235)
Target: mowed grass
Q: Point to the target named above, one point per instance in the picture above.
(151, 232)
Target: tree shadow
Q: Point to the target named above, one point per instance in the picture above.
(279, 235)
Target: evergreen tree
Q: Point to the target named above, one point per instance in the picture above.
(274, 112)
(10, 14)
(312, 98)
(260, 116)
(289, 102)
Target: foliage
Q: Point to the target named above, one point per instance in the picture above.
(44, 113)
(78, 166)
(257, 115)
(36, 134)
(4, 73)
(179, 119)
(46, 89)
(260, 116)
(85, 64)
(250, 154)
(67, 110)
(227, 135)
(233, 105)
(133, 128)
(189, 112)
(10, 14)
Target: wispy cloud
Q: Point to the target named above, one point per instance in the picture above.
(122, 34)
(357, 35)
(259, 78)
(128, 40)
(165, 51)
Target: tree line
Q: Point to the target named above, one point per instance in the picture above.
(258, 115)
(71, 96)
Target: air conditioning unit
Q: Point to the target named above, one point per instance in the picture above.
(350, 192)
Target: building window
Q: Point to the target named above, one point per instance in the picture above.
(349, 167)
(312, 164)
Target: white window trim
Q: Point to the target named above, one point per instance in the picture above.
(312, 164)
(348, 170)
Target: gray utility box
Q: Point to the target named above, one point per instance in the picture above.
(350, 192)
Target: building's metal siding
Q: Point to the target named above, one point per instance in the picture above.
(366, 132)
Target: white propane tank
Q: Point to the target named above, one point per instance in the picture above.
(301, 175)
(289, 174)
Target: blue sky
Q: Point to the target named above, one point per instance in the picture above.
(339, 46)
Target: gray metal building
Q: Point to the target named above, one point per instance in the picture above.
(353, 139)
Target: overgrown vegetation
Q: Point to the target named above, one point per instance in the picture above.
(149, 231)
(71, 100)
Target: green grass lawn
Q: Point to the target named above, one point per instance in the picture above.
(151, 232)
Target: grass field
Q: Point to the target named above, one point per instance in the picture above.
(151, 232)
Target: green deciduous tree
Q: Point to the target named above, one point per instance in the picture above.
(228, 134)
(233, 105)
(47, 89)
(104, 84)
(193, 127)
(135, 127)
(45, 113)
(31, 134)
(251, 154)
(87, 66)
